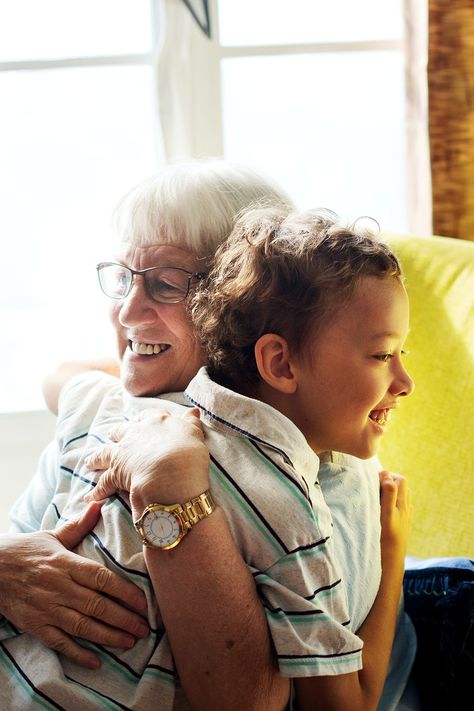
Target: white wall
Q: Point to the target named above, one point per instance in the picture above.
(22, 437)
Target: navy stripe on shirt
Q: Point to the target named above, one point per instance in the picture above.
(29, 681)
(250, 504)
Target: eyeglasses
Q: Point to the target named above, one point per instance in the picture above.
(166, 285)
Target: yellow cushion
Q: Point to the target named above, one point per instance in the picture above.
(431, 437)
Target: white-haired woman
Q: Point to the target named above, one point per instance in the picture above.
(168, 229)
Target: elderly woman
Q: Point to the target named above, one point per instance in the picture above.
(169, 228)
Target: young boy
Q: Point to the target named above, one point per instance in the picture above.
(303, 324)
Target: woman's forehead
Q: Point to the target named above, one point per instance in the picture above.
(141, 256)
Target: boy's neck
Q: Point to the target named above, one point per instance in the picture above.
(284, 403)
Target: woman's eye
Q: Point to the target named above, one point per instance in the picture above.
(166, 286)
(160, 286)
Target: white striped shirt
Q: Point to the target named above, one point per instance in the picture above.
(263, 474)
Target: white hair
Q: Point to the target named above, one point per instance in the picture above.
(194, 204)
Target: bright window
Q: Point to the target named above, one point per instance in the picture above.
(274, 22)
(77, 129)
(313, 93)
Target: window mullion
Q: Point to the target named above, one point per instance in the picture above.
(309, 48)
(70, 62)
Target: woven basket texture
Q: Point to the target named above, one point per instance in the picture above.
(451, 115)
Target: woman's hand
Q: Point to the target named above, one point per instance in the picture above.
(55, 594)
(160, 458)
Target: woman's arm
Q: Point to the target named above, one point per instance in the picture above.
(207, 596)
(215, 622)
(55, 381)
(43, 581)
(361, 691)
(55, 594)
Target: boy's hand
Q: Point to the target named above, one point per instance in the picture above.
(395, 513)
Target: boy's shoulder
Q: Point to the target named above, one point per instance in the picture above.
(248, 423)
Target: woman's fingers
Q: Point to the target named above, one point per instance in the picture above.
(100, 620)
(153, 413)
(95, 578)
(109, 482)
(191, 413)
(56, 639)
(70, 534)
(55, 594)
(159, 451)
(117, 432)
(107, 485)
(101, 458)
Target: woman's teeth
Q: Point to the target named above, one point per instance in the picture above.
(380, 416)
(148, 348)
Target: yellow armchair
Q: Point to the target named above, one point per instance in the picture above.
(431, 437)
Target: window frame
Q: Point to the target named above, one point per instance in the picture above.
(218, 52)
(147, 59)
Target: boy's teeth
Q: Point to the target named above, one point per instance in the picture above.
(380, 416)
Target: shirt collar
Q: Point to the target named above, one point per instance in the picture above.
(238, 415)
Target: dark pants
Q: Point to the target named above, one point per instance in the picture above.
(440, 602)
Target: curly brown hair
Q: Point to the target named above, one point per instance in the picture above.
(280, 273)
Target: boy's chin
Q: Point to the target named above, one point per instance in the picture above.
(359, 447)
(364, 450)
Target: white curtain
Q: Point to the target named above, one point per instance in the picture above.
(188, 85)
(418, 179)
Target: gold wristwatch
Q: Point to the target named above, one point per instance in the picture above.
(163, 527)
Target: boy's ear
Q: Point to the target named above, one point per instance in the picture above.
(273, 362)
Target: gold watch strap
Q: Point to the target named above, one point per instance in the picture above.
(197, 508)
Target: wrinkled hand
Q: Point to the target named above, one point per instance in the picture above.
(161, 457)
(55, 594)
(395, 513)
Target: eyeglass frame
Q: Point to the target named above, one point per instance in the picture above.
(199, 276)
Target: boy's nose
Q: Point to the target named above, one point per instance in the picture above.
(404, 384)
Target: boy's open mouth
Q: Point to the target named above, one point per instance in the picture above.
(381, 417)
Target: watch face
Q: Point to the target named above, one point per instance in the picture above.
(162, 529)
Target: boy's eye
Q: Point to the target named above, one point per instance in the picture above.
(384, 357)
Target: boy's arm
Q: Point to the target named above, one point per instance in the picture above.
(55, 381)
(361, 691)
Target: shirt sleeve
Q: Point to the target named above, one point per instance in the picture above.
(28, 511)
(284, 531)
(83, 391)
(305, 606)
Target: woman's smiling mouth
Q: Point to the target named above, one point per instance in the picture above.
(147, 349)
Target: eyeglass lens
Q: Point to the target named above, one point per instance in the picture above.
(164, 284)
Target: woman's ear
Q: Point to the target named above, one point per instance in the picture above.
(274, 364)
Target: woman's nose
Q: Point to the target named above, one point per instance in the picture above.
(138, 307)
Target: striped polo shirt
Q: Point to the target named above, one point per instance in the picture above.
(263, 474)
